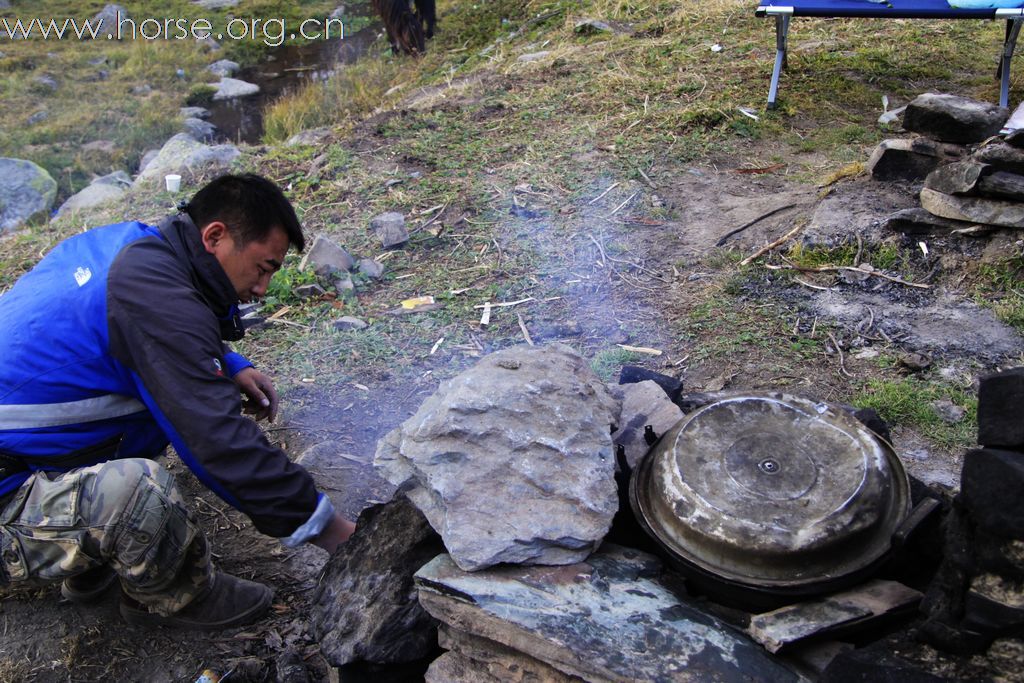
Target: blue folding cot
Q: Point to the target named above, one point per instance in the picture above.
(785, 10)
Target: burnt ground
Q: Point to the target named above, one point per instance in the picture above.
(648, 274)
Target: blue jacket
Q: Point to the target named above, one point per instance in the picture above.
(112, 346)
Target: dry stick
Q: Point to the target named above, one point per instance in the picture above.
(860, 251)
(743, 227)
(432, 219)
(768, 247)
(610, 188)
(526, 333)
(649, 181)
(616, 209)
(808, 284)
(842, 364)
(828, 269)
(599, 248)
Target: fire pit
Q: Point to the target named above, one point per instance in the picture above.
(760, 499)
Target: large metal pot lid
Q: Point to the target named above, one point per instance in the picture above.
(772, 490)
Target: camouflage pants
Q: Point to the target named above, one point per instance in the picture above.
(127, 514)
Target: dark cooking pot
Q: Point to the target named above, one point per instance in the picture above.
(761, 499)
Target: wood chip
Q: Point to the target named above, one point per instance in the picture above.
(485, 318)
(640, 349)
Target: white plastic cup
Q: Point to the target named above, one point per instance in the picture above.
(173, 181)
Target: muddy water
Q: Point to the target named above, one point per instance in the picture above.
(286, 69)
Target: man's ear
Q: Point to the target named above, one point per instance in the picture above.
(213, 234)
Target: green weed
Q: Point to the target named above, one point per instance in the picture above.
(909, 402)
(606, 364)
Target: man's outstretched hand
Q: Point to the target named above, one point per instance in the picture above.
(334, 534)
(260, 396)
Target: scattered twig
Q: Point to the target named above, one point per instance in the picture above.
(503, 304)
(746, 225)
(860, 251)
(768, 247)
(526, 332)
(827, 269)
(610, 188)
(808, 284)
(599, 248)
(485, 318)
(640, 349)
(641, 172)
(617, 208)
(436, 346)
(432, 219)
(200, 502)
(842, 363)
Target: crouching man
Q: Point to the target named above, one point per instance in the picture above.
(113, 346)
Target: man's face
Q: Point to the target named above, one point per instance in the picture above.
(249, 267)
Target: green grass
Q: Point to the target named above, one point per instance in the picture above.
(607, 363)
(908, 402)
(1001, 287)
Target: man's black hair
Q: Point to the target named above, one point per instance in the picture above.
(250, 205)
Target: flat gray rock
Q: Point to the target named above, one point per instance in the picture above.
(105, 190)
(204, 131)
(1001, 156)
(512, 461)
(974, 209)
(26, 192)
(910, 158)
(472, 659)
(918, 221)
(110, 15)
(223, 67)
(326, 257)
(186, 156)
(952, 118)
(611, 618)
(365, 607)
(835, 612)
(960, 177)
(643, 403)
(390, 229)
(230, 88)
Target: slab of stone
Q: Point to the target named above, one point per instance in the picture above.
(589, 27)
(958, 177)
(371, 269)
(1002, 184)
(365, 606)
(326, 257)
(910, 159)
(512, 460)
(920, 221)
(1001, 157)
(634, 373)
(201, 130)
(186, 156)
(1001, 409)
(472, 659)
(974, 209)
(390, 229)
(348, 322)
(643, 403)
(230, 88)
(109, 15)
(952, 118)
(991, 483)
(104, 190)
(223, 67)
(836, 613)
(27, 192)
(612, 618)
